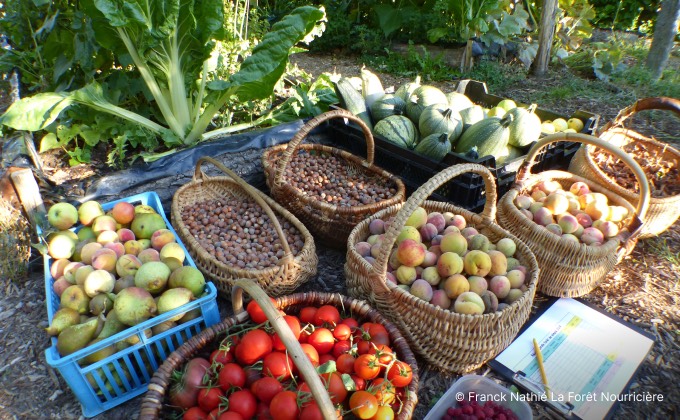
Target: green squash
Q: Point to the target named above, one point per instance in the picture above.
(440, 118)
(435, 146)
(421, 98)
(525, 127)
(387, 105)
(490, 135)
(399, 130)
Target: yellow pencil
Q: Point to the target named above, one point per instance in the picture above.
(541, 368)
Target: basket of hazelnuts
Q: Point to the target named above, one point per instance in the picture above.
(331, 190)
(232, 230)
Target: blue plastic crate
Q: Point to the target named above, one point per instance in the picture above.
(126, 374)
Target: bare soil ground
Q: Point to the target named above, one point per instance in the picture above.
(643, 289)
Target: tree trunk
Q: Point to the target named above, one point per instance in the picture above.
(664, 32)
(545, 37)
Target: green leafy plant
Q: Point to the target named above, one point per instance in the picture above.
(169, 43)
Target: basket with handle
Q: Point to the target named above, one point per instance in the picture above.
(664, 208)
(331, 223)
(287, 274)
(153, 405)
(570, 269)
(448, 341)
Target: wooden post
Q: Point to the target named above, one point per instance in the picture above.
(545, 37)
(29, 194)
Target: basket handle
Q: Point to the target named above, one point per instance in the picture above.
(313, 123)
(254, 194)
(419, 196)
(524, 171)
(663, 103)
(286, 335)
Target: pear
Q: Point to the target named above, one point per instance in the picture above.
(173, 299)
(112, 325)
(101, 303)
(76, 337)
(74, 297)
(188, 277)
(64, 317)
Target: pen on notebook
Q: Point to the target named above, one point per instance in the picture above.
(541, 368)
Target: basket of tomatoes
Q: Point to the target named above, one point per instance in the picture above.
(300, 356)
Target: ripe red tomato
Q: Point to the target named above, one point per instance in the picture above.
(307, 314)
(311, 353)
(341, 347)
(294, 325)
(327, 314)
(278, 365)
(322, 340)
(342, 332)
(383, 390)
(400, 374)
(266, 388)
(254, 345)
(231, 375)
(221, 356)
(363, 404)
(243, 402)
(284, 406)
(255, 311)
(335, 386)
(366, 366)
(209, 398)
(345, 363)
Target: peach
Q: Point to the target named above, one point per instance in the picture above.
(421, 289)
(82, 273)
(477, 263)
(609, 229)
(592, 235)
(160, 238)
(568, 223)
(548, 187)
(430, 259)
(469, 303)
(597, 210)
(376, 227)
(410, 253)
(449, 264)
(499, 263)
(478, 241)
(454, 242)
(428, 231)
(490, 302)
(437, 220)
(523, 201)
(123, 212)
(408, 232)
(418, 218)
(512, 263)
(363, 248)
(127, 265)
(105, 259)
(556, 203)
(440, 299)
(149, 254)
(526, 213)
(57, 267)
(102, 223)
(533, 208)
(431, 276)
(579, 188)
(538, 195)
(455, 285)
(500, 286)
(469, 232)
(543, 217)
(478, 284)
(450, 229)
(507, 246)
(554, 228)
(516, 278)
(393, 261)
(406, 275)
(513, 296)
(458, 221)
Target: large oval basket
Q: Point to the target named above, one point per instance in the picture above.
(153, 406)
(448, 341)
(663, 211)
(571, 269)
(330, 223)
(291, 270)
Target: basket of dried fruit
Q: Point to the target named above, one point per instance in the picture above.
(457, 285)
(330, 189)
(660, 161)
(302, 356)
(577, 229)
(233, 231)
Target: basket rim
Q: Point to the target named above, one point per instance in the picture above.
(322, 206)
(307, 247)
(588, 154)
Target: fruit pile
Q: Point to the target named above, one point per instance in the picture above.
(118, 269)
(440, 259)
(250, 375)
(239, 233)
(577, 215)
(472, 409)
(326, 178)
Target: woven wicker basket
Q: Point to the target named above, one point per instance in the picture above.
(448, 341)
(291, 270)
(153, 402)
(663, 211)
(329, 223)
(569, 269)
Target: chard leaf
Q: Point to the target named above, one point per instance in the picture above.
(36, 112)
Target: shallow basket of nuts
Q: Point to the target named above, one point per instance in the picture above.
(330, 189)
(660, 162)
(447, 303)
(233, 231)
(577, 229)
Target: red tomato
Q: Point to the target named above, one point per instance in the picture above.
(294, 325)
(359, 383)
(335, 386)
(277, 364)
(342, 332)
(184, 393)
(322, 340)
(254, 346)
(341, 347)
(384, 412)
(345, 363)
(255, 311)
(307, 314)
(352, 323)
(266, 388)
(209, 398)
(311, 352)
(363, 404)
(195, 413)
(221, 356)
(243, 402)
(230, 415)
(231, 375)
(400, 374)
(327, 314)
(284, 406)
(383, 390)
(366, 366)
